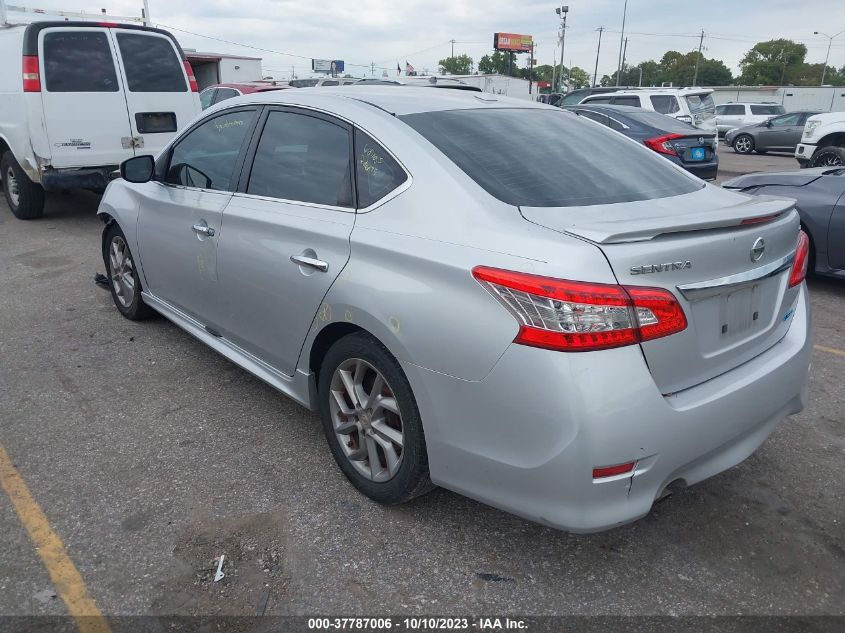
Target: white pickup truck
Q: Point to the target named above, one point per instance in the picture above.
(823, 141)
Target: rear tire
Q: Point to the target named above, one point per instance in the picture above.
(124, 283)
(743, 144)
(371, 421)
(831, 156)
(24, 197)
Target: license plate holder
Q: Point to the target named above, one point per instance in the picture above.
(739, 311)
(697, 153)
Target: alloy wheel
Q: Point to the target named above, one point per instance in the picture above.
(742, 144)
(366, 419)
(122, 269)
(12, 187)
(829, 160)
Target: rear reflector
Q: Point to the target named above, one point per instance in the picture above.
(802, 257)
(662, 144)
(192, 80)
(761, 220)
(31, 76)
(612, 471)
(575, 316)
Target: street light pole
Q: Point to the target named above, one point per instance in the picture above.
(830, 39)
(621, 37)
(598, 50)
(562, 12)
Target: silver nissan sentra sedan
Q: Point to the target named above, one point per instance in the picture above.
(484, 294)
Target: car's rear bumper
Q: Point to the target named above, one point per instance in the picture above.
(526, 437)
(705, 171)
(93, 178)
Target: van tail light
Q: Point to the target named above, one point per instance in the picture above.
(31, 76)
(802, 259)
(192, 80)
(574, 316)
(663, 144)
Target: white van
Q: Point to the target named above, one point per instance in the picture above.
(78, 98)
(691, 105)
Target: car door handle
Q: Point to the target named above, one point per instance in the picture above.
(204, 229)
(311, 262)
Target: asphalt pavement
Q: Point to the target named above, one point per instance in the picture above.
(150, 455)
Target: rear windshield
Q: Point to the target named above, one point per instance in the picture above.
(549, 158)
(768, 109)
(662, 122)
(699, 104)
(151, 64)
(79, 61)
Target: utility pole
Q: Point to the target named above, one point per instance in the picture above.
(641, 75)
(598, 50)
(697, 59)
(146, 14)
(783, 70)
(830, 39)
(554, 68)
(453, 48)
(619, 65)
(624, 55)
(562, 12)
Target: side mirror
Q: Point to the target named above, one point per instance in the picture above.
(138, 170)
(768, 123)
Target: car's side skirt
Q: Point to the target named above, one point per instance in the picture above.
(295, 387)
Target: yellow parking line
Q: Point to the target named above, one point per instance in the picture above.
(831, 350)
(66, 579)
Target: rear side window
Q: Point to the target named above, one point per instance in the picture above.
(331, 83)
(207, 156)
(595, 116)
(768, 109)
(206, 96)
(665, 104)
(303, 159)
(627, 101)
(79, 61)
(537, 157)
(376, 172)
(223, 94)
(151, 64)
(730, 110)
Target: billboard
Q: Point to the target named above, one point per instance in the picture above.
(331, 66)
(513, 42)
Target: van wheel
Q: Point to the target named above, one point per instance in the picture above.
(24, 197)
(829, 157)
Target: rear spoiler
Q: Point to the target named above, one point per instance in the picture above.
(30, 37)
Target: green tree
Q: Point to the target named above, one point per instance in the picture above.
(767, 62)
(498, 62)
(460, 65)
(576, 77)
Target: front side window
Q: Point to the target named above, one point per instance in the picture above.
(665, 104)
(151, 64)
(376, 172)
(79, 61)
(537, 157)
(304, 159)
(206, 96)
(598, 100)
(785, 120)
(207, 156)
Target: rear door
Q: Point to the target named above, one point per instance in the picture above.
(82, 95)
(783, 132)
(159, 99)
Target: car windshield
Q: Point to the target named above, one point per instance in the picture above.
(701, 104)
(574, 98)
(547, 158)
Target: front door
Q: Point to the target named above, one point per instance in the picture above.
(158, 97)
(82, 96)
(780, 133)
(180, 216)
(286, 234)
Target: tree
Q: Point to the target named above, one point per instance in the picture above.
(577, 77)
(498, 62)
(460, 65)
(767, 62)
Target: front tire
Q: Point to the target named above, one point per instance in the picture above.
(124, 282)
(24, 197)
(743, 144)
(831, 156)
(371, 421)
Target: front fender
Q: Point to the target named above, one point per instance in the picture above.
(120, 204)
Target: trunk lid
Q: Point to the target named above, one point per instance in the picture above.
(694, 246)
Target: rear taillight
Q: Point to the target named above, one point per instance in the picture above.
(663, 144)
(802, 257)
(31, 76)
(192, 80)
(574, 316)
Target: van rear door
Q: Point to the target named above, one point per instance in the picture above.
(160, 97)
(84, 108)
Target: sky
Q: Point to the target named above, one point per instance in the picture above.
(384, 32)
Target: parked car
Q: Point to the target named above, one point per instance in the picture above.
(91, 95)
(820, 200)
(426, 82)
(823, 141)
(482, 294)
(220, 92)
(675, 140)
(317, 82)
(778, 134)
(733, 115)
(690, 105)
(553, 98)
(574, 97)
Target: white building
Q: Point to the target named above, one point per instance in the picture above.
(823, 98)
(500, 85)
(221, 68)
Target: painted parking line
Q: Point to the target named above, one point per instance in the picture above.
(66, 579)
(830, 350)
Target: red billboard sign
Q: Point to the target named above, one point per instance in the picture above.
(513, 42)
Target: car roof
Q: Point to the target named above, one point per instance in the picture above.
(396, 100)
